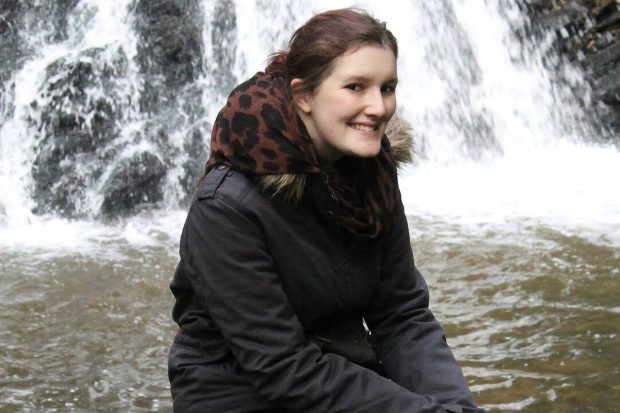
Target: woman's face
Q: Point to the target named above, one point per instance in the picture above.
(349, 110)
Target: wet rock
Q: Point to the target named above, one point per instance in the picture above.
(170, 57)
(604, 69)
(587, 32)
(534, 6)
(81, 118)
(29, 16)
(135, 182)
(568, 24)
(194, 165)
(75, 116)
(9, 38)
(224, 39)
(601, 61)
(607, 17)
(170, 48)
(58, 11)
(20, 19)
(9, 10)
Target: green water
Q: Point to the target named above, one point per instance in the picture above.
(533, 316)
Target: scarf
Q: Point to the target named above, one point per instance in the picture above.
(258, 132)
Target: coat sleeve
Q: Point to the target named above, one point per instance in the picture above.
(411, 344)
(224, 248)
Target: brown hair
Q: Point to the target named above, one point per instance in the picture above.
(323, 38)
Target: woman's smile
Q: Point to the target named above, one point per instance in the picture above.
(364, 127)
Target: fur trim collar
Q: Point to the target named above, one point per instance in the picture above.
(400, 135)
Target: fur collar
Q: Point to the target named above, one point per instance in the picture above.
(400, 135)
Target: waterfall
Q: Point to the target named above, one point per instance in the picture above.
(505, 139)
(86, 78)
(94, 127)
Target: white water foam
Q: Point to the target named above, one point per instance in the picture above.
(48, 236)
(568, 187)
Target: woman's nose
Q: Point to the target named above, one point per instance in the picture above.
(375, 106)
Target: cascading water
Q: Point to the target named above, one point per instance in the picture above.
(83, 84)
(513, 212)
(494, 129)
(503, 138)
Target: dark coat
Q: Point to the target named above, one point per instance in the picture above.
(270, 303)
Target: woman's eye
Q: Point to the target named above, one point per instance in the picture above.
(387, 89)
(356, 87)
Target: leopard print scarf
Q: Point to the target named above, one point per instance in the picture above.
(258, 132)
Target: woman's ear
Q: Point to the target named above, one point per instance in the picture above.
(300, 97)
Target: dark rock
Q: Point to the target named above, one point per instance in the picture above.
(170, 49)
(76, 117)
(134, 183)
(9, 10)
(535, 6)
(21, 18)
(194, 165)
(82, 117)
(587, 33)
(59, 11)
(224, 40)
(602, 62)
(170, 57)
(9, 38)
(608, 87)
(568, 25)
(607, 16)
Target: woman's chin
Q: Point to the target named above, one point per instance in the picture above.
(366, 151)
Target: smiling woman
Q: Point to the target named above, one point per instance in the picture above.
(312, 302)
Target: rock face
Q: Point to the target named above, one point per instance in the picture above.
(170, 56)
(17, 16)
(78, 107)
(170, 48)
(602, 63)
(135, 183)
(588, 33)
(49, 17)
(9, 40)
(223, 34)
(86, 149)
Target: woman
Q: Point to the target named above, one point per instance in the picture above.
(296, 239)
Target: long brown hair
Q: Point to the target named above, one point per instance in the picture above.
(323, 38)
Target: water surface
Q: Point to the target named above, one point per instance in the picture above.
(531, 313)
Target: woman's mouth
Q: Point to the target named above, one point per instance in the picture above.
(364, 127)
